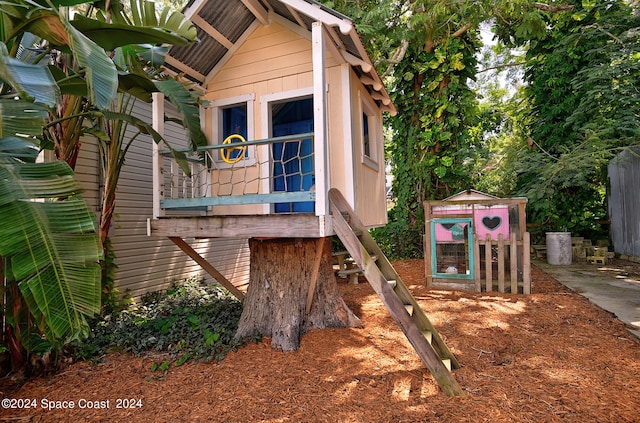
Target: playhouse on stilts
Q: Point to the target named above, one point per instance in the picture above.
(294, 119)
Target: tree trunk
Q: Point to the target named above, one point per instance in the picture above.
(280, 277)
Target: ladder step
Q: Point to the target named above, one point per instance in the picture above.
(428, 334)
(409, 309)
(392, 283)
(447, 363)
(348, 272)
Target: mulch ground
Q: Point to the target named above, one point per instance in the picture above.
(550, 356)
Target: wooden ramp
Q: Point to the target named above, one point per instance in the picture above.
(401, 304)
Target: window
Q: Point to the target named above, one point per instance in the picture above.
(233, 116)
(366, 141)
(370, 137)
(234, 122)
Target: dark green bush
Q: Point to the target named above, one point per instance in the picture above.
(190, 320)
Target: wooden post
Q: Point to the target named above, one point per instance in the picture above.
(513, 258)
(476, 263)
(320, 141)
(488, 259)
(428, 265)
(526, 264)
(157, 161)
(314, 275)
(501, 257)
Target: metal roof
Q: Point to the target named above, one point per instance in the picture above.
(223, 25)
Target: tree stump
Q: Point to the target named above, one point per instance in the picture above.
(280, 277)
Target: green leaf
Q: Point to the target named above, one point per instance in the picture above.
(139, 86)
(183, 359)
(147, 128)
(47, 233)
(446, 161)
(109, 36)
(30, 81)
(440, 171)
(18, 117)
(188, 106)
(69, 84)
(100, 71)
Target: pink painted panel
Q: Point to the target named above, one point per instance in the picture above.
(492, 221)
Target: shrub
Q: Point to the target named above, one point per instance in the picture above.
(191, 321)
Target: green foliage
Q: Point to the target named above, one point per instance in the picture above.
(583, 81)
(190, 320)
(398, 239)
(48, 245)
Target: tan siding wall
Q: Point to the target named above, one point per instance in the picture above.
(339, 141)
(370, 182)
(151, 263)
(272, 54)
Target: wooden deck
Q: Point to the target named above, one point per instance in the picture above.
(295, 225)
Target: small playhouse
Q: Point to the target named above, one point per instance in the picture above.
(477, 242)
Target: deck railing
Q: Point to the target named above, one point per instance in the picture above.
(275, 171)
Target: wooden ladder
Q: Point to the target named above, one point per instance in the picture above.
(401, 304)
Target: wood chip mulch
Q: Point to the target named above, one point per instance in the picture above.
(550, 356)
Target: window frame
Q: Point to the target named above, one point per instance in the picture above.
(217, 137)
(367, 109)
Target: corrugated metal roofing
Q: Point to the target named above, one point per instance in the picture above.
(222, 23)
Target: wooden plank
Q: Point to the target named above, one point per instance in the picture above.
(427, 247)
(234, 200)
(316, 268)
(526, 264)
(208, 267)
(476, 264)
(501, 256)
(157, 161)
(514, 201)
(488, 264)
(302, 225)
(513, 258)
(320, 124)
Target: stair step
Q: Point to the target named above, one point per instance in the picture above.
(428, 334)
(409, 309)
(392, 283)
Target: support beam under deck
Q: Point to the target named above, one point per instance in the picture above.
(208, 267)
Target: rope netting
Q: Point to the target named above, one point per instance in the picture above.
(275, 165)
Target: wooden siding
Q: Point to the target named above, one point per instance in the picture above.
(152, 263)
(624, 203)
(369, 180)
(272, 54)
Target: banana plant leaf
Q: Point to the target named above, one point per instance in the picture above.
(21, 117)
(99, 69)
(188, 107)
(30, 81)
(113, 35)
(147, 129)
(48, 235)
